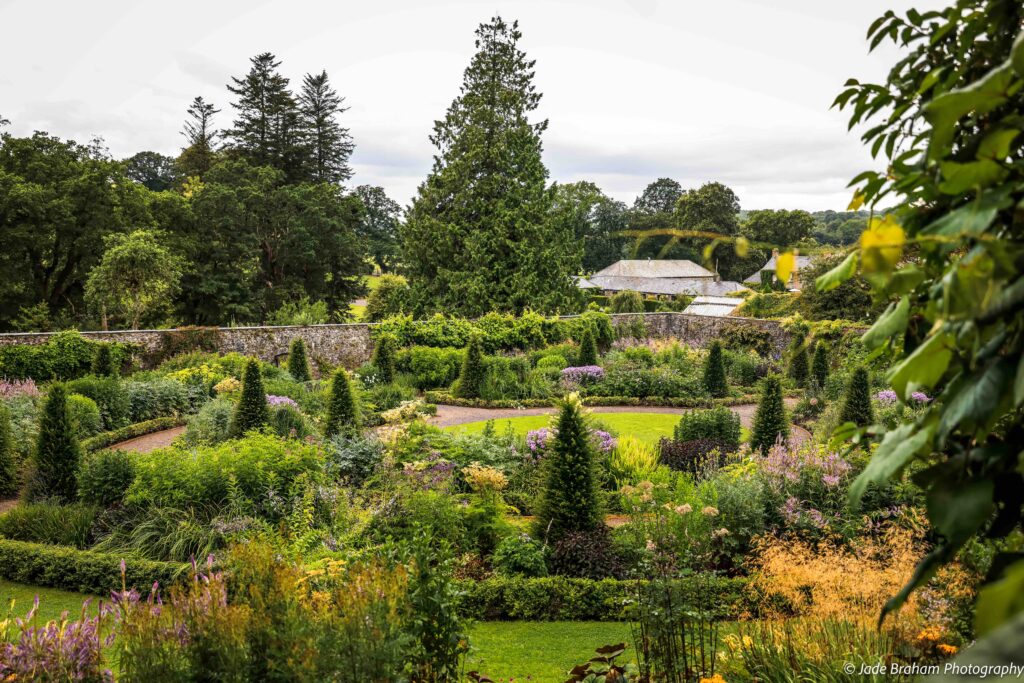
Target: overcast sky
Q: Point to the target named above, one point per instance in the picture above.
(736, 91)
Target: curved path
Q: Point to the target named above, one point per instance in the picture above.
(149, 442)
(449, 416)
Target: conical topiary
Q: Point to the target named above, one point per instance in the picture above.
(342, 413)
(714, 372)
(857, 401)
(251, 412)
(298, 364)
(8, 471)
(384, 357)
(57, 453)
(588, 348)
(799, 368)
(570, 501)
(471, 377)
(770, 421)
(819, 365)
(103, 361)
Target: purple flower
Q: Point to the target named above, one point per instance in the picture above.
(920, 397)
(277, 401)
(537, 441)
(581, 374)
(886, 396)
(604, 441)
(18, 387)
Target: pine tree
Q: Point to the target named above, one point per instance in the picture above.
(588, 348)
(471, 377)
(103, 361)
(570, 501)
(342, 414)
(799, 368)
(819, 365)
(770, 421)
(251, 412)
(267, 128)
(714, 372)
(384, 357)
(8, 469)
(198, 154)
(57, 453)
(298, 364)
(857, 401)
(479, 235)
(328, 145)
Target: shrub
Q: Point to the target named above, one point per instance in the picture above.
(632, 460)
(436, 628)
(627, 301)
(85, 416)
(389, 298)
(298, 364)
(384, 358)
(342, 413)
(104, 477)
(714, 372)
(431, 368)
(49, 523)
(353, 459)
(819, 366)
(770, 421)
(744, 368)
(110, 397)
(585, 554)
(799, 368)
(694, 456)
(251, 413)
(471, 377)
(288, 421)
(155, 398)
(718, 423)
(57, 454)
(857, 401)
(103, 361)
(739, 337)
(519, 555)
(8, 463)
(588, 348)
(212, 424)
(571, 500)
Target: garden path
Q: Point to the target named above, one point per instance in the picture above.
(150, 442)
(448, 416)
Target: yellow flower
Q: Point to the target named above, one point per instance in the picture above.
(930, 634)
(717, 678)
(882, 245)
(948, 650)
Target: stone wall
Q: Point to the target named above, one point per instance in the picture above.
(351, 345)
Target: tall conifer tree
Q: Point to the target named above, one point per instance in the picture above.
(479, 236)
(200, 135)
(327, 145)
(58, 453)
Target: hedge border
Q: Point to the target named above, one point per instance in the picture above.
(83, 571)
(445, 398)
(129, 432)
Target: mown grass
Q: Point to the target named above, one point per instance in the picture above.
(17, 600)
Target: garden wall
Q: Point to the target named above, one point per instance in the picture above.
(351, 345)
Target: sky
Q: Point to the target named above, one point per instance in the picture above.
(734, 91)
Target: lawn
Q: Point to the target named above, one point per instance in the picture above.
(52, 602)
(538, 651)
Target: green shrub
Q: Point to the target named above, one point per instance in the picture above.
(571, 501)
(104, 477)
(65, 355)
(110, 397)
(8, 462)
(508, 378)
(658, 382)
(799, 367)
(627, 301)
(819, 366)
(384, 358)
(552, 362)
(342, 412)
(58, 453)
(289, 422)
(298, 364)
(739, 337)
(353, 459)
(155, 398)
(389, 298)
(49, 523)
(717, 423)
(714, 372)
(744, 367)
(431, 368)
(471, 376)
(251, 413)
(770, 421)
(857, 401)
(212, 424)
(85, 416)
(588, 348)
(103, 361)
(388, 396)
(519, 555)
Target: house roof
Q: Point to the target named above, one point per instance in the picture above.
(716, 306)
(583, 283)
(656, 268)
(669, 286)
(801, 263)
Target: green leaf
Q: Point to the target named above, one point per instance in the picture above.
(1018, 385)
(996, 145)
(978, 397)
(957, 509)
(897, 449)
(1000, 600)
(924, 571)
(946, 110)
(838, 275)
(905, 280)
(970, 219)
(889, 324)
(1017, 55)
(960, 178)
(924, 367)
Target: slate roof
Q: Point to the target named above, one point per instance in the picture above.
(583, 283)
(698, 286)
(716, 306)
(656, 268)
(801, 263)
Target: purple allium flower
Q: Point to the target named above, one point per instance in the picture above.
(886, 396)
(276, 401)
(604, 441)
(920, 397)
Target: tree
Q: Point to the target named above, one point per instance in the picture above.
(714, 208)
(714, 372)
(57, 454)
(658, 197)
(390, 297)
(298, 364)
(342, 413)
(471, 376)
(778, 228)
(379, 225)
(155, 171)
(627, 301)
(851, 300)
(328, 145)
(770, 420)
(594, 219)
(199, 154)
(103, 361)
(799, 367)
(137, 277)
(384, 357)
(588, 347)
(251, 413)
(570, 502)
(478, 236)
(654, 210)
(857, 400)
(8, 466)
(819, 365)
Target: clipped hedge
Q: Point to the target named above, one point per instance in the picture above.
(445, 398)
(65, 355)
(560, 598)
(84, 571)
(133, 431)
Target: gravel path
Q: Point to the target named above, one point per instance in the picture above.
(448, 416)
(150, 442)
